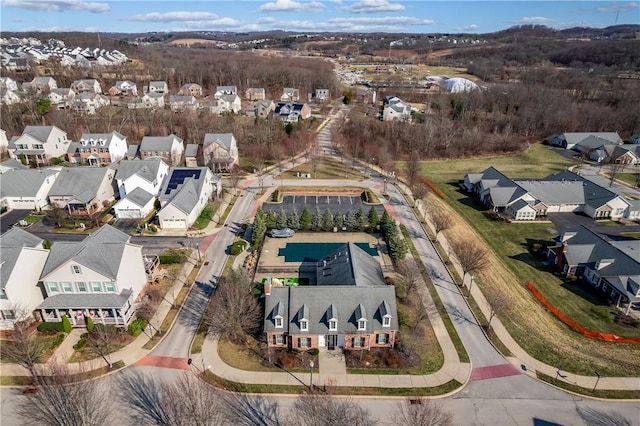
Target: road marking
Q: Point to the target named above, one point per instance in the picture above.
(494, 371)
(164, 362)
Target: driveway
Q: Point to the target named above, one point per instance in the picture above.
(335, 203)
(569, 221)
(10, 218)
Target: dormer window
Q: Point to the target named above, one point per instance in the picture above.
(333, 325)
(304, 325)
(362, 324)
(386, 322)
(278, 322)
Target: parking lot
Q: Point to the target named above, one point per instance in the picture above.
(335, 203)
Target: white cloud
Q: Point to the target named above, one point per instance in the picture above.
(374, 6)
(355, 24)
(58, 5)
(617, 7)
(388, 20)
(291, 6)
(535, 20)
(472, 27)
(173, 17)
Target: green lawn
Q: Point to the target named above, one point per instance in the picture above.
(324, 169)
(207, 213)
(629, 178)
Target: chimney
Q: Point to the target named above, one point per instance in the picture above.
(267, 287)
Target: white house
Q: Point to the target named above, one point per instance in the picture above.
(39, 144)
(170, 148)
(290, 95)
(226, 103)
(159, 87)
(22, 258)
(184, 195)
(90, 85)
(183, 103)
(43, 84)
(26, 189)
(8, 83)
(62, 98)
(225, 90)
(395, 108)
(99, 149)
(9, 97)
(83, 190)
(124, 88)
(100, 277)
(220, 151)
(148, 175)
(89, 102)
(137, 204)
(148, 100)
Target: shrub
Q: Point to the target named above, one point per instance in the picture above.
(66, 324)
(275, 196)
(237, 247)
(58, 341)
(90, 325)
(152, 228)
(136, 327)
(314, 351)
(83, 341)
(50, 326)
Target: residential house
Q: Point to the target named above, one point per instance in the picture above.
(261, 109)
(319, 95)
(523, 199)
(90, 85)
(192, 155)
(290, 112)
(22, 258)
(183, 103)
(11, 164)
(350, 307)
(159, 87)
(184, 195)
(8, 83)
(290, 95)
(394, 108)
(148, 100)
(42, 84)
(124, 88)
(88, 102)
(137, 204)
(613, 267)
(365, 96)
(39, 144)
(220, 151)
(146, 174)
(62, 98)
(83, 191)
(255, 94)
(9, 97)
(628, 154)
(98, 149)
(226, 104)
(191, 89)
(635, 139)
(633, 211)
(169, 148)
(4, 142)
(26, 189)
(584, 141)
(225, 90)
(100, 277)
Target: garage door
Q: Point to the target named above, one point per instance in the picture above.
(173, 224)
(128, 214)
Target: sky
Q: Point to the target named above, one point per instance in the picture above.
(309, 16)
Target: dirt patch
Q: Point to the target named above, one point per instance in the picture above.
(192, 41)
(380, 358)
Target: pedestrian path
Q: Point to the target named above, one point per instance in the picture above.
(332, 363)
(65, 350)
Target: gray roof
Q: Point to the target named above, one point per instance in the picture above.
(594, 194)
(349, 265)
(108, 137)
(158, 143)
(86, 301)
(573, 138)
(24, 182)
(101, 252)
(12, 163)
(503, 196)
(81, 183)
(139, 197)
(132, 151)
(222, 139)
(188, 99)
(320, 304)
(40, 133)
(16, 237)
(555, 191)
(158, 84)
(183, 193)
(191, 150)
(146, 169)
(595, 141)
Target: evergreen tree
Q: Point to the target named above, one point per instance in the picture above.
(272, 219)
(350, 221)
(294, 220)
(338, 221)
(374, 219)
(397, 247)
(282, 219)
(327, 220)
(66, 324)
(305, 219)
(361, 219)
(258, 229)
(316, 219)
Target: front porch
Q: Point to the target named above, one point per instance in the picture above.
(105, 308)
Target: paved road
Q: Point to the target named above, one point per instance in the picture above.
(10, 218)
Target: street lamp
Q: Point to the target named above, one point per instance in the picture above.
(597, 380)
(385, 186)
(311, 364)
(470, 285)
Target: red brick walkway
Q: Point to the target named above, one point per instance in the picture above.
(493, 371)
(206, 242)
(164, 362)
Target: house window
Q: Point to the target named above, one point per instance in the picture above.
(304, 325)
(53, 287)
(382, 339)
(96, 287)
(333, 325)
(66, 287)
(278, 322)
(278, 339)
(358, 342)
(3, 295)
(81, 286)
(386, 322)
(110, 287)
(362, 324)
(304, 342)
(76, 269)
(8, 314)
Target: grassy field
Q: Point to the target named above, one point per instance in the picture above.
(242, 358)
(324, 169)
(629, 178)
(512, 265)
(207, 213)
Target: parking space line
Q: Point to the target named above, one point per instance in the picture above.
(328, 202)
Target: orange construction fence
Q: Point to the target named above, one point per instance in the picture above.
(577, 326)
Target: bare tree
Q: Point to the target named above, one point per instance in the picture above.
(61, 399)
(251, 410)
(413, 169)
(234, 178)
(613, 170)
(237, 311)
(472, 257)
(102, 341)
(499, 305)
(421, 412)
(57, 214)
(143, 395)
(312, 409)
(441, 221)
(412, 275)
(23, 348)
